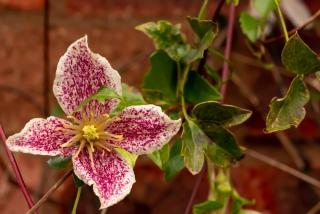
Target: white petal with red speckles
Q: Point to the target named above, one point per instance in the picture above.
(144, 128)
(112, 179)
(39, 136)
(80, 73)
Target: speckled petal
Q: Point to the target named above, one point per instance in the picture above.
(112, 178)
(80, 73)
(39, 136)
(144, 129)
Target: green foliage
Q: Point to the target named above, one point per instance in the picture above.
(264, 7)
(198, 89)
(161, 156)
(250, 26)
(57, 111)
(238, 203)
(203, 10)
(201, 27)
(59, 162)
(194, 141)
(213, 74)
(160, 83)
(219, 114)
(129, 157)
(288, 111)
(298, 57)
(130, 97)
(166, 37)
(175, 161)
(101, 95)
(219, 156)
(206, 207)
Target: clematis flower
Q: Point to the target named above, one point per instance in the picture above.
(91, 136)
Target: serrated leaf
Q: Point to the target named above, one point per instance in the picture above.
(166, 37)
(220, 114)
(77, 181)
(161, 156)
(104, 93)
(198, 89)
(223, 138)
(130, 97)
(59, 162)
(250, 26)
(289, 110)
(201, 27)
(175, 162)
(264, 7)
(194, 141)
(197, 53)
(206, 207)
(298, 57)
(129, 157)
(160, 82)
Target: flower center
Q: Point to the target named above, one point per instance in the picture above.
(89, 133)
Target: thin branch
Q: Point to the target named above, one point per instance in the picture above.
(50, 191)
(315, 209)
(16, 169)
(282, 22)
(194, 191)
(225, 70)
(284, 167)
(309, 21)
(215, 16)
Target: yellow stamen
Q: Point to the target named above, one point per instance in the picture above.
(82, 144)
(72, 141)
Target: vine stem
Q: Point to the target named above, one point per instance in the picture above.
(76, 202)
(50, 191)
(225, 76)
(16, 169)
(282, 22)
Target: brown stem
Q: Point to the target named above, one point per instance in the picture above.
(16, 169)
(314, 209)
(50, 191)
(310, 20)
(283, 167)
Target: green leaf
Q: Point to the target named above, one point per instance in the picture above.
(203, 10)
(161, 156)
(298, 57)
(223, 115)
(104, 93)
(201, 27)
(57, 111)
(77, 181)
(219, 156)
(197, 53)
(223, 138)
(213, 74)
(238, 202)
(264, 7)
(160, 82)
(194, 142)
(130, 97)
(59, 162)
(166, 37)
(198, 89)
(175, 162)
(206, 207)
(250, 26)
(129, 157)
(288, 111)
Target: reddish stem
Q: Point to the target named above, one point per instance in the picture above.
(16, 169)
(227, 50)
